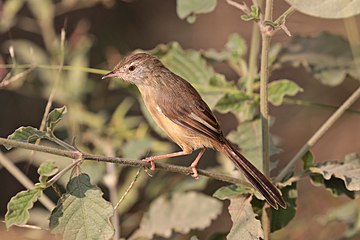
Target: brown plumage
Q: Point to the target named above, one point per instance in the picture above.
(181, 113)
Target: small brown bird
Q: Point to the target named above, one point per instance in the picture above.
(182, 114)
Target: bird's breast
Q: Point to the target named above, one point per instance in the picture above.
(187, 139)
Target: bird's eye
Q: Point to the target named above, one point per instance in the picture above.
(132, 68)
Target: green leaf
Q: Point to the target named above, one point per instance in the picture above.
(54, 117)
(328, 57)
(254, 14)
(308, 160)
(245, 225)
(333, 9)
(180, 212)
(341, 177)
(232, 191)
(26, 134)
(248, 137)
(191, 66)
(281, 217)
(82, 213)
(18, 207)
(236, 46)
(190, 8)
(233, 102)
(46, 170)
(281, 88)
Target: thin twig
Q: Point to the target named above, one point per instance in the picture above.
(24, 180)
(15, 78)
(123, 161)
(128, 189)
(56, 83)
(55, 67)
(28, 226)
(63, 172)
(307, 103)
(241, 6)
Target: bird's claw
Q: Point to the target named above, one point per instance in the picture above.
(195, 174)
(151, 161)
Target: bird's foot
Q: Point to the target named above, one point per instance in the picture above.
(151, 161)
(195, 174)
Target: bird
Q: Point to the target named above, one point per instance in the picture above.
(178, 109)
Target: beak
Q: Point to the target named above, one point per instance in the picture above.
(109, 75)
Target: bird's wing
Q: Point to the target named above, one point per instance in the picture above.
(186, 108)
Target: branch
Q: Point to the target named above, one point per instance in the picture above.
(264, 75)
(127, 162)
(264, 109)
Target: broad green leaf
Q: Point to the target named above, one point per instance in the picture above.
(235, 50)
(245, 224)
(190, 8)
(248, 137)
(54, 117)
(190, 65)
(348, 214)
(180, 212)
(18, 207)
(46, 170)
(8, 14)
(82, 213)
(328, 57)
(340, 174)
(236, 46)
(332, 9)
(233, 102)
(26, 134)
(281, 217)
(280, 88)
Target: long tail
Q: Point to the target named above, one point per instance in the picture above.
(257, 179)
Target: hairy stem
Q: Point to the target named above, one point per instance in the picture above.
(123, 161)
(264, 111)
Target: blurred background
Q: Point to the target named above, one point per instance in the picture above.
(100, 32)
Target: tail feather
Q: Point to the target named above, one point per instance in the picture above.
(256, 178)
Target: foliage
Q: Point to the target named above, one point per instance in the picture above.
(82, 213)
(178, 205)
(175, 213)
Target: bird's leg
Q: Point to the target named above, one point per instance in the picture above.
(195, 162)
(169, 155)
